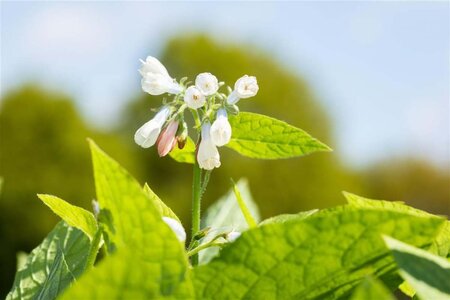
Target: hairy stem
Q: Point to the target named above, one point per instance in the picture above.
(196, 204)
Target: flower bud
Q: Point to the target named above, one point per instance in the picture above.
(167, 140)
(207, 83)
(182, 137)
(245, 87)
(221, 129)
(176, 227)
(208, 156)
(232, 236)
(155, 78)
(147, 135)
(194, 98)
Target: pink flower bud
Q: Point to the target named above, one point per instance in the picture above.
(167, 139)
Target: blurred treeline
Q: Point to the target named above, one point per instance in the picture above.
(43, 149)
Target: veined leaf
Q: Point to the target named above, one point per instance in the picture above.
(259, 136)
(324, 256)
(53, 265)
(440, 245)
(289, 217)
(225, 215)
(149, 261)
(371, 289)
(163, 209)
(185, 155)
(429, 274)
(74, 216)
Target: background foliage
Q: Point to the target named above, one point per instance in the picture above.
(43, 150)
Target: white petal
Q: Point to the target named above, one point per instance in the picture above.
(207, 83)
(232, 236)
(194, 98)
(221, 129)
(176, 227)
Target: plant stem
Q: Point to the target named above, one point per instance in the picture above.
(196, 204)
(93, 251)
(204, 246)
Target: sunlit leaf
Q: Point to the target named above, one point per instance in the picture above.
(259, 136)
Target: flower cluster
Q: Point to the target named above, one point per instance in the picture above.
(210, 109)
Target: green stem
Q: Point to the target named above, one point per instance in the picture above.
(196, 204)
(201, 247)
(93, 250)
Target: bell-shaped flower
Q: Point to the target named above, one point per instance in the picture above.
(167, 139)
(207, 83)
(155, 78)
(194, 98)
(245, 87)
(176, 227)
(208, 156)
(147, 135)
(221, 129)
(232, 236)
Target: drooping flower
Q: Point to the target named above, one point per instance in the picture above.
(208, 156)
(232, 236)
(207, 83)
(147, 135)
(194, 98)
(245, 87)
(167, 139)
(176, 227)
(155, 78)
(221, 129)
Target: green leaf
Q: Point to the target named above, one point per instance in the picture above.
(323, 256)
(149, 261)
(441, 244)
(371, 289)
(225, 215)
(185, 155)
(284, 218)
(53, 265)
(74, 216)
(428, 274)
(244, 209)
(259, 136)
(162, 208)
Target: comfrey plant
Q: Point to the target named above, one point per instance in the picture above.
(362, 250)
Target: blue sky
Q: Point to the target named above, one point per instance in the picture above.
(380, 68)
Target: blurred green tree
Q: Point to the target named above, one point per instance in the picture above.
(411, 180)
(43, 150)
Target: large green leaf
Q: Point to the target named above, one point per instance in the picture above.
(323, 256)
(74, 216)
(259, 136)
(162, 208)
(53, 265)
(429, 274)
(371, 289)
(149, 261)
(284, 218)
(441, 243)
(225, 215)
(185, 155)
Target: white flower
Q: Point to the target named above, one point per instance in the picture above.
(245, 87)
(176, 227)
(194, 97)
(232, 236)
(208, 156)
(147, 135)
(221, 129)
(207, 83)
(155, 78)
